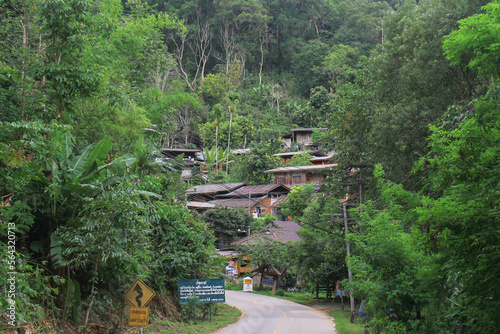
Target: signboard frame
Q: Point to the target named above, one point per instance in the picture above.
(202, 290)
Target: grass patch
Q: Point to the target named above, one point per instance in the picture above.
(224, 316)
(343, 323)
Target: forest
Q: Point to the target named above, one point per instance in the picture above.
(92, 90)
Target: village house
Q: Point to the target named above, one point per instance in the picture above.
(301, 137)
(190, 159)
(259, 200)
(300, 175)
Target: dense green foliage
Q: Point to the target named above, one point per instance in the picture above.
(90, 91)
(228, 223)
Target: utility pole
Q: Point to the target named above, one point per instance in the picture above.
(348, 251)
(360, 181)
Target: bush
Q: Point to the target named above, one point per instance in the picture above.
(280, 292)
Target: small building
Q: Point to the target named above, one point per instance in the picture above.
(303, 136)
(258, 199)
(253, 204)
(300, 175)
(190, 159)
(208, 192)
(188, 153)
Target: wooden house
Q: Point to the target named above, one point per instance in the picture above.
(259, 200)
(300, 175)
(303, 137)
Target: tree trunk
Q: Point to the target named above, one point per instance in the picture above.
(25, 27)
(92, 289)
(229, 139)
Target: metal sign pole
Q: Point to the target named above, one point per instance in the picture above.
(140, 330)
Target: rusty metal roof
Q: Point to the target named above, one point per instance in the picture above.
(277, 202)
(200, 205)
(236, 202)
(308, 129)
(215, 188)
(256, 190)
(310, 168)
(284, 231)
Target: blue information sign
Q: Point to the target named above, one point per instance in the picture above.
(204, 290)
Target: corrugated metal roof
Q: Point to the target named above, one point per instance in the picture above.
(255, 190)
(284, 231)
(200, 205)
(180, 150)
(300, 168)
(314, 153)
(277, 202)
(242, 151)
(327, 156)
(309, 129)
(215, 188)
(236, 202)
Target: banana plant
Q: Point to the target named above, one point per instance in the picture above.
(214, 158)
(72, 178)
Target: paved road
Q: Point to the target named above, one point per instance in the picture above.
(268, 315)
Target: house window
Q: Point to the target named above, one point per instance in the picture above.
(296, 176)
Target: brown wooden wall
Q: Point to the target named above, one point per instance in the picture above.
(298, 178)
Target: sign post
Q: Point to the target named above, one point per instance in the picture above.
(138, 296)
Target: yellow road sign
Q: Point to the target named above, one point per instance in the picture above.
(139, 294)
(138, 316)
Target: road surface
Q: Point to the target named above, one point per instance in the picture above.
(268, 315)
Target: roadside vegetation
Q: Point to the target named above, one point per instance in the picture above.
(222, 315)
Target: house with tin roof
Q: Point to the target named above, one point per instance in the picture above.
(259, 200)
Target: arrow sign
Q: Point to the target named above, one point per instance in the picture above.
(138, 289)
(139, 294)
